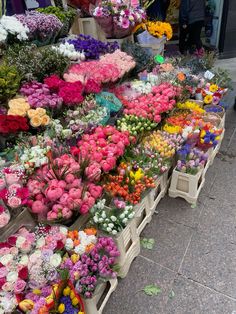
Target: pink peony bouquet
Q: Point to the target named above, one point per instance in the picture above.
(57, 191)
(103, 147)
(161, 99)
(12, 191)
(109, 68)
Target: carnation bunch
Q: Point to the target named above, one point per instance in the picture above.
(82, 124)
(71, 92)
(39, 96)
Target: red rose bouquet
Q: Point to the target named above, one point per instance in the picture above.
(12, 124)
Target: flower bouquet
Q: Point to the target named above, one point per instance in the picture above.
(92, 267)
(4, 216)
(129, 184)
(111, 220)
(43, 28)
(57, 192)
(118, 19)
(92, 48)
(12, 192)
(103, 147)
(190, 160)
(30, 262)
(12, 30)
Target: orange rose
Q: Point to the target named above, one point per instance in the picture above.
(36, 121)
(45, 120)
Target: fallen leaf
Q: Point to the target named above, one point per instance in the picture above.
(171, 294)
(152, 290)
(147, 243)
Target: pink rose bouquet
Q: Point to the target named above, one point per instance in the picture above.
(103, 147)
(109, 68)
(150, 106)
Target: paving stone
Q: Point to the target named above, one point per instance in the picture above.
(128, 297)
(218, 218)
(211, 261)
(192, 298)
(171, 241)
(178, 210)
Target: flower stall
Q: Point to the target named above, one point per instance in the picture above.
(93, 135)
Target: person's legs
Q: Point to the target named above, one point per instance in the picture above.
(194, 40)
(183, 33)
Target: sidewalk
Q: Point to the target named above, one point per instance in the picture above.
(194, 257)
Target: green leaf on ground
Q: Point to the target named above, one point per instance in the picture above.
(171, 294)
(193, 205)
(147, 243)
(152, 290)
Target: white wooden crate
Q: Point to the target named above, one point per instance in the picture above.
(186, 186)
(96, 304)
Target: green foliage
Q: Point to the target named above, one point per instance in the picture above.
(140, 55)
(197, 64)
(35, 64)
(61, 14)
(9, 82)
(152, 290)
(222, 78)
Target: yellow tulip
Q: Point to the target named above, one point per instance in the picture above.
(75, 301)
(61, 308)
(66, 291)
(26, 305)
(72, 295)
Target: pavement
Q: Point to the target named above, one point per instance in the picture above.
(193, 260)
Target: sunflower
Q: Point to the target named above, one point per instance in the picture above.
(208, 99)
(213, 88)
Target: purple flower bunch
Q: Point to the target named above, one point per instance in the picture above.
(92, 266)
(190, 160)
(39, 95)
(41, 26)
(214, 109)
(91, 47)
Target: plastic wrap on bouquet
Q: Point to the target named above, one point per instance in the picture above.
(106, 23)
(120, 32)
(109, 101)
